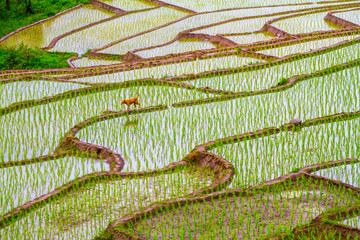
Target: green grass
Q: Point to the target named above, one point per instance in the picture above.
(18, 17)
(26, 58)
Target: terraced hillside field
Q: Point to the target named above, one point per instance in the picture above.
(248, 123)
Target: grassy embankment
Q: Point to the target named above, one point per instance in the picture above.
(20, 15)
(26, 58)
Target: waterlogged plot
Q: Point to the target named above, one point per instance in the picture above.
(351, 16)
(168, 136)
(241, 26)
(253, 24)
(251, 216)
(42, 34)
(168, 33)
(36, 131)
(83, 213)
(89, 62)
(265, 78)
(176, 69)
(130, 5)
(116, 29)
(305, 47)
(25, 183)
(209, 5)
(23, 91)
(345, 173)
(245, 39)
(270, 157)
(352, 222)
(304, 24)
(176, 47)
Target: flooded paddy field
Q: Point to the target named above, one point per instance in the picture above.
(185, 120)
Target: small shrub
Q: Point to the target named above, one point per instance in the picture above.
(282, 81)
(26, 58)
(295, 170)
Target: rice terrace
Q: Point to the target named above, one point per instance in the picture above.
(179, 119)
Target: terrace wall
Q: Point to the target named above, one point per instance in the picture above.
(218, 40)
(117, 229)
(40, 21)
(70, 145)
(222, 169)
(326, 223)
(189, 56)
(330, 17)
(55, 40)
(273, 30)
(161, 3)
(107, 7)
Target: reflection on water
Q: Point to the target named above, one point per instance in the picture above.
(40, 35)
(130, 5)
(25, 183)
(32, 37)
(345, 173)
(353, 222)
(131, 121)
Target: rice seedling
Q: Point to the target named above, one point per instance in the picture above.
(25, 183)
(270, 157)
(74, 164)
(251, 38)
(88, 62)
(24, 91)
(264, 78)
(352, 16)
(40, 128)
(245, 216)
(250, 26)
(176, 47)
(130, 5)
(123, 26)
(345, 173)
(169, 129)
(241, 26)
(307, 46)
(42, 34)
(352, 222)
(202, 6)
(90, 208)
(168, 33)
(306, 23)
(170, 70)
